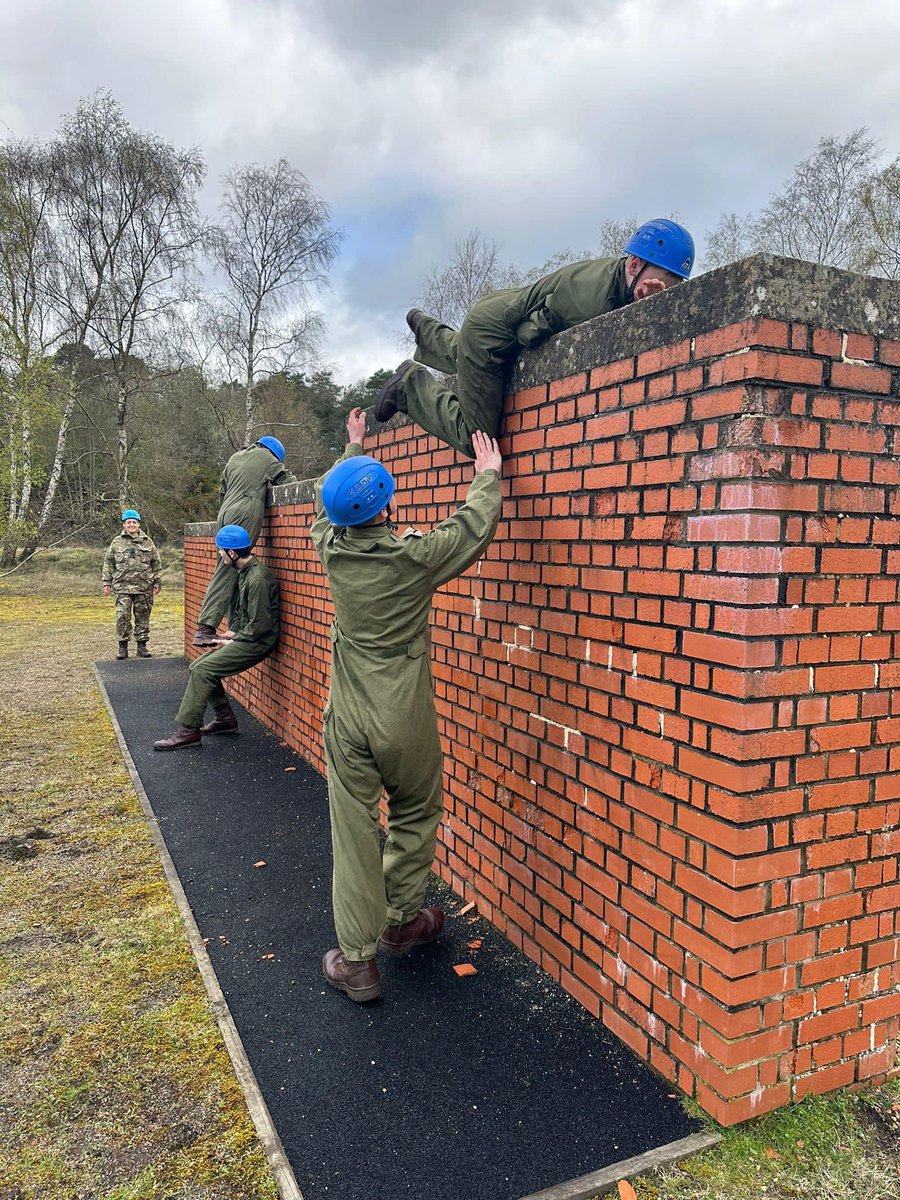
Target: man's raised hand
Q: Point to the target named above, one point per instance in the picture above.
(356, 426)
(487, 453)
(649, 287)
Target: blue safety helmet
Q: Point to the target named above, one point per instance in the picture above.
(131, 514)
(233, 537)
(356, 489)
(273, 444)
(665, 243)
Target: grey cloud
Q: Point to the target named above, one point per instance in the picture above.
(527, 121)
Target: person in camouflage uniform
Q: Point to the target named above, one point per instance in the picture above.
(659, 255)
(132, 573)
(380, 725)
(246, 480)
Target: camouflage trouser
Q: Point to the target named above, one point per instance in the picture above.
(141, 603)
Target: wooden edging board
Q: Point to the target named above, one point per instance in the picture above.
(288, 1188)
(599, 1182)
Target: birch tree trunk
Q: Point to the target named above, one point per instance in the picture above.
(122, 444)
(248, 396)
(56, 470)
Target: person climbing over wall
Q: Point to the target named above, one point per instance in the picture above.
(658, 255)
(254, 618)
(247, 477)
(380, 724)
(132, 572)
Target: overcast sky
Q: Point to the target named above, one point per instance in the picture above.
(418, 121)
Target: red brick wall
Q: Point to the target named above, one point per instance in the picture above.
(669, 698)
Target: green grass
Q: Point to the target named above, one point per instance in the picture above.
(115, 1080)
(76, 570)
(838, 1147)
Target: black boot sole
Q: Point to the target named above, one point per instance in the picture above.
(414, 319)
(386, 403)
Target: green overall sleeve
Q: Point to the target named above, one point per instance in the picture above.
(574, 294)
(282, 475)
(451, 547)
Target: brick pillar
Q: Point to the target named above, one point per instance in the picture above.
(668, 693)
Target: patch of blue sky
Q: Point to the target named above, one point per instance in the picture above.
(382, 233)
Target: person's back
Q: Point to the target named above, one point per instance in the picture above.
(402, 572)
(247, 476)
(243, 493)
(257, 605)
(380, 725)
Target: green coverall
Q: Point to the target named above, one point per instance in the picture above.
(255, 616)
(131, 569)
(380, 724)
(246, 479)
(495, 329)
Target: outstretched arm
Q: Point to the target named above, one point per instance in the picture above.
(451, 547)
(356, 427)
(356, 432)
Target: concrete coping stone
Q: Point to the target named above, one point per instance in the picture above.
(762, 286)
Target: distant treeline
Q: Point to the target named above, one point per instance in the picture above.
(125, 380)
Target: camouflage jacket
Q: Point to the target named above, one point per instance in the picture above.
(132, 564)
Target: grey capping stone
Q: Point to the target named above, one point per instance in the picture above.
(783, 289)
(301, 492)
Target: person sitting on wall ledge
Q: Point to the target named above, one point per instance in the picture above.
(658, 255)
(247, 477)
(380, 725)
(255, 626)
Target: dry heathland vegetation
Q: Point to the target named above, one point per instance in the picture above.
(114, 1082)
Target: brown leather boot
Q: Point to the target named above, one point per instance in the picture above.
(183, 736)
(224, 722)
(358, 980)
(206, 636)
(123, 650)
(142, 651)
(424, 928)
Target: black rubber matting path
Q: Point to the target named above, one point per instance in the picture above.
(482, 1088)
